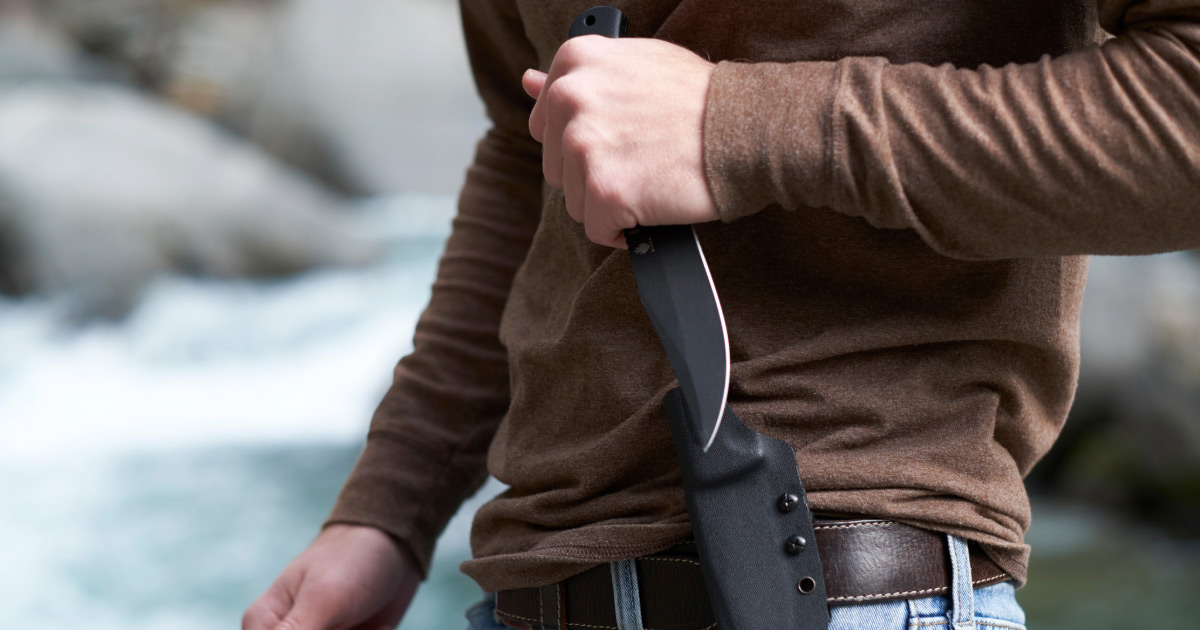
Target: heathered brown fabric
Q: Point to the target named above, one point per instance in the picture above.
(906, 191)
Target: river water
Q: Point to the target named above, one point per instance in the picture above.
(156, 473)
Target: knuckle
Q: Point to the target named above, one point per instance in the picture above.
(584, 49)
(571, 50)
(624, 218)
(565, 93)
(595, 233)
(616, 217)
(290, 623)
(575, 140)
(605, 191)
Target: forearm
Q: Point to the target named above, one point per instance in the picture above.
(1096, 151)
(428, 439)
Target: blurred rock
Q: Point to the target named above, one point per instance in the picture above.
(101, 189)
(213, 57)
(368, 95)
(389, 83)
(30, 50)
(1133, 439)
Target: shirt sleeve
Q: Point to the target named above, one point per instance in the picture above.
(426, 447)
(1092, 152)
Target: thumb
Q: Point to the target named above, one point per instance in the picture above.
(314, 609)
(532, 81)
(267, 611)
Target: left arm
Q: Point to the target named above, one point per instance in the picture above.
(1092, 152)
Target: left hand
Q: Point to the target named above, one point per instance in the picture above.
(621, 122)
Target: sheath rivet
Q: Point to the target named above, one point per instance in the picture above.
(788, 502)
(806, 585)
(795, 545)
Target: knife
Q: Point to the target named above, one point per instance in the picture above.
(745, 496)
(676, 289)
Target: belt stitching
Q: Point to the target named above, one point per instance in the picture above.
(687, 560)
(853, 525)
(882, 523)
(988, 581)
(861, 598)
(562, 612)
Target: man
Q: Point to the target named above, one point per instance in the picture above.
(905, 195)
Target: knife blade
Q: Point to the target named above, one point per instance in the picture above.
(676, 288)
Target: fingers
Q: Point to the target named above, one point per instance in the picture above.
(559, 111)
(350, 577)
(564, 60)
(574, 173)
(590, 196)
(557, 102)
(532, 81)
(584, 188)
(316, 608)
(390, 616)
(553, 122)
(261, 617)
(543, 83)
(607, 216)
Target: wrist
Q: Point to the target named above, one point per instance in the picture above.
(407, 556)
(766, 136)
(404, 553)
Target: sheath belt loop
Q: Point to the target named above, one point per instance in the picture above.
(626, 596)
(962, 590)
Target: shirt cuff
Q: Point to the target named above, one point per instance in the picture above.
(766, 135)
(393, 488)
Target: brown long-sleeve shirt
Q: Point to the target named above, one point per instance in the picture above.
(906, 192)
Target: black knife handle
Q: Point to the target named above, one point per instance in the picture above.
(604, 21)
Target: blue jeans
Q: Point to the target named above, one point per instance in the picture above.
(990, 608)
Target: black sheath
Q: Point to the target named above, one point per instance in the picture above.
(747, 505)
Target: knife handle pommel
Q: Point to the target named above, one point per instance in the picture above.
(604, 21)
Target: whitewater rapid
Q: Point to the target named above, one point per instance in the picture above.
(203, 361)
(156, 473)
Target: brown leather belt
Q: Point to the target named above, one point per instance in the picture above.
(864, 561)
